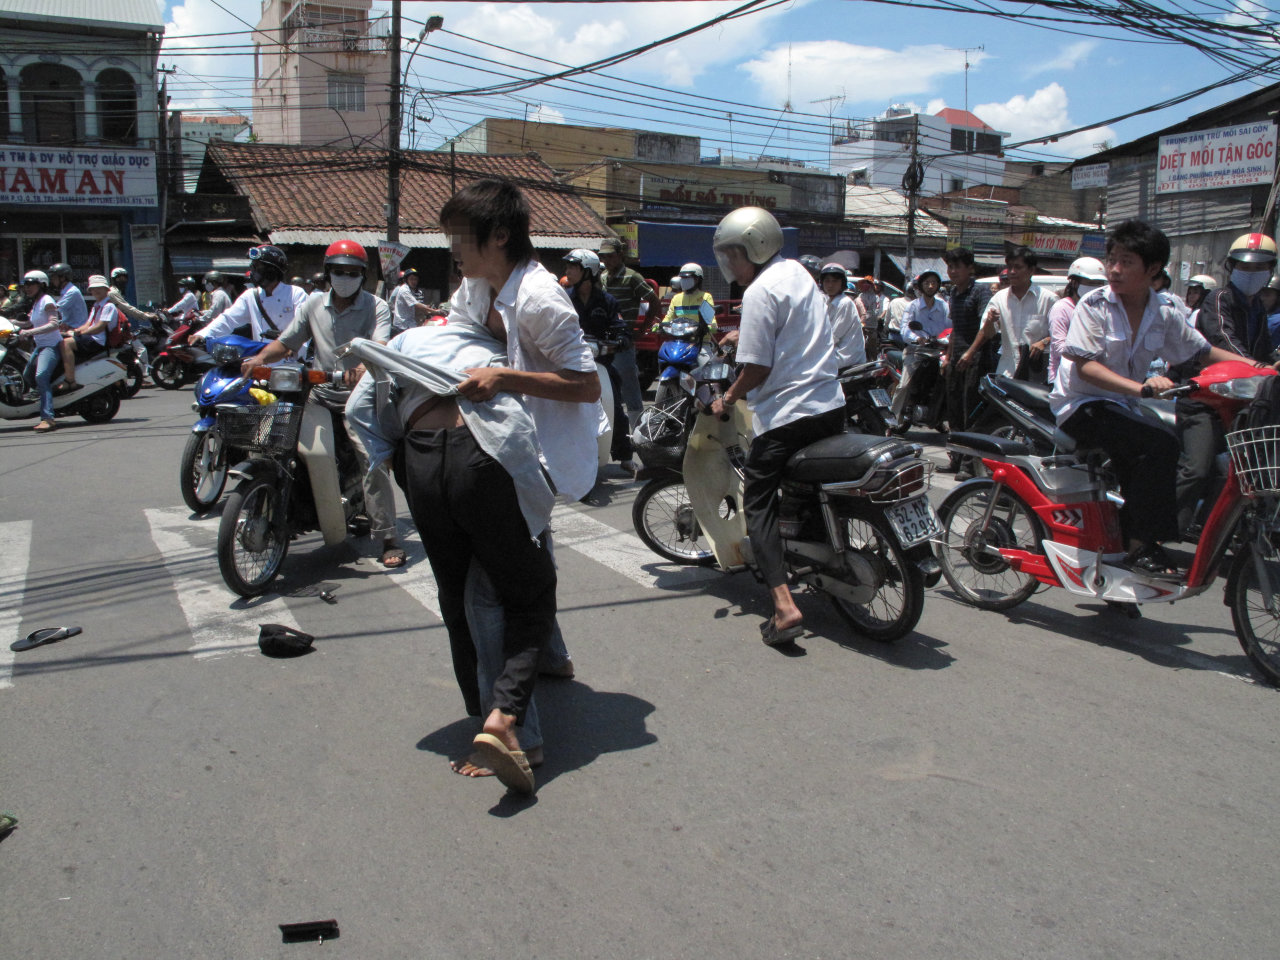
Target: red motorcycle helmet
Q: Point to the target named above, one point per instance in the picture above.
(346, 253)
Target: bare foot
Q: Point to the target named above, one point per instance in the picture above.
(474, 766)
(503, 726)
(785, 612)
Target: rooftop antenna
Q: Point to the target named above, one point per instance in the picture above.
(786, 107)
(966, 51)
(834, 103)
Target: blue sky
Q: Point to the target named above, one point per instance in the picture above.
(827, 58)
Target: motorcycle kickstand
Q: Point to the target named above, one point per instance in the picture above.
(1131, 610)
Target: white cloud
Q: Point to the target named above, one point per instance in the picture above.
(1068, 58)
(1246, 13)
(545, 114)
(867, 75)
(208, 78)
(1044, 112)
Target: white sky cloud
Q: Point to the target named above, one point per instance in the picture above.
(1068, 58)
(209, 79)
(872, 76)
(1043, 112)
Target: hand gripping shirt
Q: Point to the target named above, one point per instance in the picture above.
(543, 336)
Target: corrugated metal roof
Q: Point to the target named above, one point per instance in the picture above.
(144, 14)
(885, 211)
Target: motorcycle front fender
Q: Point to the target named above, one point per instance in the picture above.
(204, 424)
(316, 447)
(249, 469)
(715, 487)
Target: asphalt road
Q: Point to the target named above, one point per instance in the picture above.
(1054, 782)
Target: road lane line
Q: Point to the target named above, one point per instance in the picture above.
(620, 551)
(415, 577)
(15, 557)
(189, 548)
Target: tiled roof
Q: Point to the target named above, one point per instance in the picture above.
(962, 118)
(316, 190)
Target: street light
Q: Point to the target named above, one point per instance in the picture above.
(434, 22)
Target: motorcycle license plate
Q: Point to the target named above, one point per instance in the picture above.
(879, 397)
(913, 520)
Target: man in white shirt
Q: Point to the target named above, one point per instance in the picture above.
(267, 307)
(507, 291)
(407, 311)
(930, 312)
(846, 331)
(215, 284)
(187, 301)
(1115, 333)
(789, 376)
(1022, 311)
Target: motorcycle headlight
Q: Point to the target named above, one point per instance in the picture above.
(1239, 388)
(715, 370)
(285, 379)
(224, 354)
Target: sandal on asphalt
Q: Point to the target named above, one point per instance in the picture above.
(39, 638)
(44, 426)
(772, 636)
(509, 766)
(393, 557)
(1154, 563)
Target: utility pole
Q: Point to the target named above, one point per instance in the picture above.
(912, 182)
(393, 136)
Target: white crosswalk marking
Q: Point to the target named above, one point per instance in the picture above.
(217, 627)
(620, 551)
(15, 555)
(416, 578)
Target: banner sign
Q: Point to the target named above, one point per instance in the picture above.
(1053, 244)
(391, 254)
(1094, 175)
(78, 176)
(1238, 156)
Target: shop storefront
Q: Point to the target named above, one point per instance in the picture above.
(92, 208)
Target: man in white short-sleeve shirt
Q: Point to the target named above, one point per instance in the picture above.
(789, 376)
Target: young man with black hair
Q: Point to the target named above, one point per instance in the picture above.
(508, 292)
(966, 306)
(1022, 311)
(1115, 333)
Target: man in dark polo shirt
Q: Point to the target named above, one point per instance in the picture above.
(630, 290)
(968, 305)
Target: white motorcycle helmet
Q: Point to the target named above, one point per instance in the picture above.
(690, 276)
(586, 259)
(1204, 281)
(36, 276)
(1088, 269)
(755, 230)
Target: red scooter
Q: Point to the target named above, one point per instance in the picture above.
(178, 363)
(1054, 521)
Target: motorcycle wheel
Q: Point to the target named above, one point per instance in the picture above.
(252, 540)
(981, 577)
(663, 518)
(895, 608)
(101, 407)
(1257, 630)
(137, 379)
(168, 373)
(198, 479)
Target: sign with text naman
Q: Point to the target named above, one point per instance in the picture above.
(1238, 156)
(77, 176)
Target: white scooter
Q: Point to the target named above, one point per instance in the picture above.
(603, 348)
(102, 383)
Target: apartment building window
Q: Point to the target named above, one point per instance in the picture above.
(974, 141)
(346, 92)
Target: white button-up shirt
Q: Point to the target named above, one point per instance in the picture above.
(281, 304)
(784, 327)
(934, 318)
(1100, 331)
(1018, 316)
(543, 336)
(846, 331)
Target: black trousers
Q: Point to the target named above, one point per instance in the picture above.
(962, 389)
(1202, 438)
(762, 472)
(1145, 457)
(465, 508)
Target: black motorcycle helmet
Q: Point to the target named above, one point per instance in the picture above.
(60, 271)
(268, 262)
(189, 283)
(215, 277)
(120, 278)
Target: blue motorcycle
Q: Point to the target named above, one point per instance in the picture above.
(680, 354)
(203, 471)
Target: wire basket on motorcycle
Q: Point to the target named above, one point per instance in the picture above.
(271, 429)
(1255, 452)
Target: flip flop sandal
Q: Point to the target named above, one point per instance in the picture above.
(40, 637)
(395, 557)
(511, 767)
(1155, 565)
(772, 636)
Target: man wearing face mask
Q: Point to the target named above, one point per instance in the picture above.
(332, 320)
(267, 307)
(1231, 317)
(219, 299)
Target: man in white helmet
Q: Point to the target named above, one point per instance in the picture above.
(846, 331)
(788, 375)
(1084, 275)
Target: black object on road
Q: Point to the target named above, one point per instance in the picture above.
(321, 930)
(40, 637)
(277, 640)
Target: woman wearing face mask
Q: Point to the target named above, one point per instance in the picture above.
(1232, 317)
(219, 300)
(688, 302)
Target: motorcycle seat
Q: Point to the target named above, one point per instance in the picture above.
(1033, 396)
(845, 456)
(985, 444)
